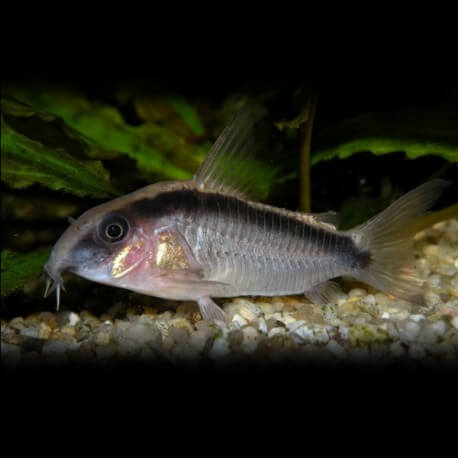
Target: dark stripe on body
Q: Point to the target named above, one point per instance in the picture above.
(193, 202)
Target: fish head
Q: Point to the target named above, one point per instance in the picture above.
(106, 244)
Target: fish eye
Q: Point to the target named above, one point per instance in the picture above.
(113, 229)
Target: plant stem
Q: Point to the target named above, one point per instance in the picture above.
(306, 139)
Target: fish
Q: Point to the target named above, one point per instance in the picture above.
(210, 237)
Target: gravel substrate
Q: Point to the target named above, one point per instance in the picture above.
(363, 326)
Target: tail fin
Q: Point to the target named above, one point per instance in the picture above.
(388, 237)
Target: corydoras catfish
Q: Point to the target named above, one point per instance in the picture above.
(208, 238)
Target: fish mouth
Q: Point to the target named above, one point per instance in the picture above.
(54, 282)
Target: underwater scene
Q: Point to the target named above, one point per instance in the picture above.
(248, 223)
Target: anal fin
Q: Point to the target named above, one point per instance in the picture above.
(210, 311)
(324, 293)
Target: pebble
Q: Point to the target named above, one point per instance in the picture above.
(145, 319)
(168, 343)
(296, 325)
(343, 332)
(336, 349)
(416, 351)
(397, 350)
(439, 327)
(357, 292)
(139, 333)
(17, 323)
(315, 334)
(68, 330)
(102, 338)
(277, 316)
(408, 330)
(163, 328)
(432, 298)
(262, 326)
(198, 340)
(246, 309)
(30, 332)
(179, 335)
(248, 313)
(219, 349)
(432, 252)
(73, 319)
(239, 320)
(381, 299)
(58, 347)
(427, 336)
(455, 322)
(447, 269)
(370, 300)
(278, 304)
(265, 307)
(399, 315)
(288, 319)
(221, 328)
(422, 267)
(302, 334)
(417, 317)
(250, 336)
(434, 280)
(276, 331)
(235, 337)
(454, 286)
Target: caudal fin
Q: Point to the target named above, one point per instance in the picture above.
(388, 238)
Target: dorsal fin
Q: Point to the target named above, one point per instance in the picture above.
(322, 220)
(331, 217)
(232, 166)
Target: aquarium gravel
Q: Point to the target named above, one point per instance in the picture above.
(363, 326)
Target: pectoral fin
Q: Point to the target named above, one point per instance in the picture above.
(172, 251)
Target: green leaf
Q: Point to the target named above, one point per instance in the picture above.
(25, 161)
(104, 125)
(18, 269)
(188, 114)
(417, 133)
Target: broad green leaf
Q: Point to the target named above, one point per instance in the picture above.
(18, 268)
(188, 114)
(25, 161)
(50, 130)
(104, 125)
(165, 143)
(417, 133)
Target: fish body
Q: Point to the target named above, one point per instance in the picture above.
(205, 238)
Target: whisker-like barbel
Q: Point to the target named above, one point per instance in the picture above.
(49, 282)
(53, 283)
